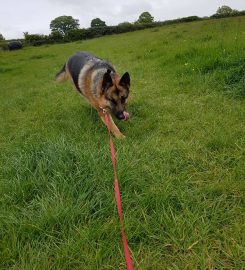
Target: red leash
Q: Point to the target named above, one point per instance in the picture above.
(118, 198)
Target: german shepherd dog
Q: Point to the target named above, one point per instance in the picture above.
(98, 81)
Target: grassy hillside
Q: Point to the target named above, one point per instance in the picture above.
(181, 167)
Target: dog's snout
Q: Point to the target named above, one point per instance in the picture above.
(120, 115)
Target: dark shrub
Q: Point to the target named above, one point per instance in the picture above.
(75, 34)
(36, 39)
(55, 37)
(15, 45)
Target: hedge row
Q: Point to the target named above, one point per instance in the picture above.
(234, 14)
(82, 34)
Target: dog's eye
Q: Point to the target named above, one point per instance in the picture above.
(112, 100)
(123, 99)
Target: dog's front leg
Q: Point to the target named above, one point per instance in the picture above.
(114, 129)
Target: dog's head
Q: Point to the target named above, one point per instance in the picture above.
(115, 91)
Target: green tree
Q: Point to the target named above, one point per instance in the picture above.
(97, 22)
(63, 24)
(1, 37)
(145, 17)
(224, 11)
(235, 12)
(125, 24)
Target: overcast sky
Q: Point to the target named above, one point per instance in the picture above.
(34, 16)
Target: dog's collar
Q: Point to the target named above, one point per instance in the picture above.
(103, 110)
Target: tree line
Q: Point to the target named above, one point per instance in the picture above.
(66, 28)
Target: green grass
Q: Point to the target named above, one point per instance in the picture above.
(181, 167)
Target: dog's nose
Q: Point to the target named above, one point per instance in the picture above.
(120, 115)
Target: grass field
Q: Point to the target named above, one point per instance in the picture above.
(181, 167)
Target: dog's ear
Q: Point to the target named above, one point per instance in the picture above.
(125, 80)
(107, 80)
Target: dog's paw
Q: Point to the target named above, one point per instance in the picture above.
(120, 136)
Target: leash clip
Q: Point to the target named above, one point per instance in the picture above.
(103, 110)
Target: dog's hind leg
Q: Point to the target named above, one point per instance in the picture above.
(61, 76)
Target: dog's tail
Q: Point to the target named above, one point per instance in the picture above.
(61, 76)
